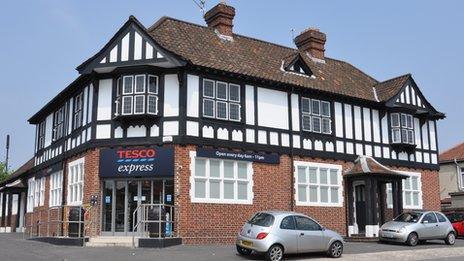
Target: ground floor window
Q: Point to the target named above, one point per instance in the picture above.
(30, 194)
(412, 192)
(75, 182)
(221, 181)
(56, 180)
(14, 204)
(318, 184)
(39, 192)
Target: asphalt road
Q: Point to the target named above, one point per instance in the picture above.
(14, 247)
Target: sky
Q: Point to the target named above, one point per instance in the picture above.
(43, 41)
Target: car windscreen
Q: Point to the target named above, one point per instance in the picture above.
(262, 219)
(409, 217)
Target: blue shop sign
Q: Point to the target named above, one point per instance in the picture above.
(137, 162)
(238, 155)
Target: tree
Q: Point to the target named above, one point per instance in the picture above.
(3, 173)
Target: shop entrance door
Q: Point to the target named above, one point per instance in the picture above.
(122, 197)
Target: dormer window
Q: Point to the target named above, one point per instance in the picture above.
(221, 100)
(137, 94)
(316, 116)
(402, 128)
(298, 67)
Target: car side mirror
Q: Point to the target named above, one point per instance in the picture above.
(323, 228)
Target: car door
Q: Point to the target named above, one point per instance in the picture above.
(288, 234)
(443, 225)
(428, 228)
(310, 235)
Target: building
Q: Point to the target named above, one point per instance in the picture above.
(452, 178)
(222, 125)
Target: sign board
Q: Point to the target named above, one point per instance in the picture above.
(137, 162)
(238, 155)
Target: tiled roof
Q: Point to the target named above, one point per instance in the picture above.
(21, 170)
(456, 152)
(201, 46)
(389, 88)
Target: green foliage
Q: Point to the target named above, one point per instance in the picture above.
(3, 173)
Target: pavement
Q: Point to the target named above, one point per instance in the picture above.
(14, 247)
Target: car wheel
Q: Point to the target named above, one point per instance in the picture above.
(243, 251)
(450, 238)
(335, 249)
(275, 253)
(413, 239)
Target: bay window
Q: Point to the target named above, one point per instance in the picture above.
(221, 100)
(137, 94)
(318, 184)
(221, 181)
(402, 128)
(316, 116)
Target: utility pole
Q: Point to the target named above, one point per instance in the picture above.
(7, 151)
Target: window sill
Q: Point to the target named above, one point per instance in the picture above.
(313, 204)
(222, 201)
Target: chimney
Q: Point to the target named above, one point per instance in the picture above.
(220, 18)
(312, 41)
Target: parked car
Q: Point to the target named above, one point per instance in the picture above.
(275, 233)
(418, 226)
(457, 220)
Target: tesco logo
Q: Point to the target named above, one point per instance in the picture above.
(136, 153)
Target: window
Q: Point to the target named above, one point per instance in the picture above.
(429, 218)
(75, 182)
(139, 95)
(38, 192)
(316, 116)
(30, 194)
(78, 105)
(287, 223)
(402, 128)
(318, 184)
(440, 217)
(1, 204)
(221, 100)
(58, 124)
(221, 181)
(462, 178)
(14, 204)
(262, 220)
(56, 180)
(304, 223)
(41, 136)
(412, 192)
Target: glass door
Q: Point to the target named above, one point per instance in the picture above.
(120, 207)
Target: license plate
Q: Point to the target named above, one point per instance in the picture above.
(247, 243)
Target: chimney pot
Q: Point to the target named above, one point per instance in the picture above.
(312, 41)
(221, 18)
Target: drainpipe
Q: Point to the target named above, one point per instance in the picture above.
(292, 174)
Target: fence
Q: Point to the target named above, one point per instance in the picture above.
(155, 221)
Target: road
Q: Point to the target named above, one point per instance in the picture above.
(14, 247)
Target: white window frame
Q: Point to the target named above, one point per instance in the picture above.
(42, 191)
(124, 85)
(14, 204)
(75, 197)
(217, 100)
(56, 189)
(131, 106)
(318, 166)
(221, 179)
(419, 185)
(402, 126)
(148, 104)
(135, 104)
(37, 192)
(144, 83)
(30, 195)
(311, 115)
(148, 81)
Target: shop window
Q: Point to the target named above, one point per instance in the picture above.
(221, 181)
(137, 94)
(402, 128)
(318, 184)
(56, 180)
(316, 116)
(221, 100)
(30, 194)
(412, 193)
(75, 182)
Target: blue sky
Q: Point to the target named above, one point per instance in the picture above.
(42, 42)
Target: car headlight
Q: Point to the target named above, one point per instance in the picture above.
(402, 230)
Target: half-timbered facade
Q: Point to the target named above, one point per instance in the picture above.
(246, 125)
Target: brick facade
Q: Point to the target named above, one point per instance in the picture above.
(205, 223)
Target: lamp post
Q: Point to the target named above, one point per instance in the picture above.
(7, 151)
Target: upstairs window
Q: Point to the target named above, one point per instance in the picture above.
(137, 94)
(316, 116)
(78, 105)
(58, 124)
(402, 128)
(41, 136)
(221, 100)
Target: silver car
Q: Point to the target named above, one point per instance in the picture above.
(418, 226)
(274, 233)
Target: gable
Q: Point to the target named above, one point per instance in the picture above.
(130, 46)
(297, 65)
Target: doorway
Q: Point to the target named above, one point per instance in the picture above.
(122, 197)
(360, 204)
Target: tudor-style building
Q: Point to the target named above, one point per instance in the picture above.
(222, 125)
